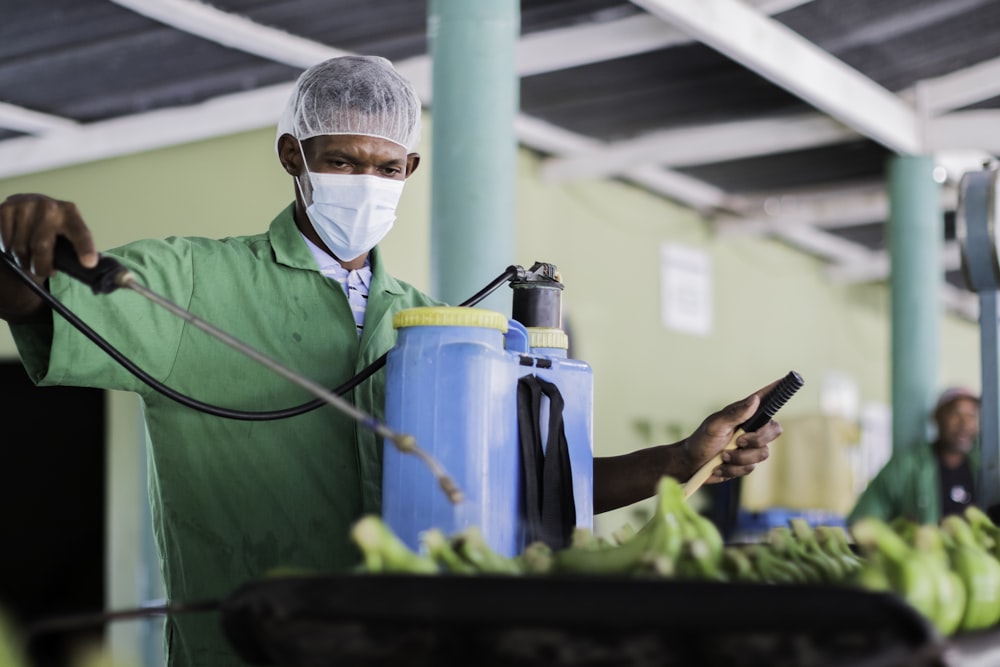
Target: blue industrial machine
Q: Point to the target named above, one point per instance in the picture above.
(498, 403)
(976, 228)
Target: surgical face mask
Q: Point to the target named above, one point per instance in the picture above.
(351, 213)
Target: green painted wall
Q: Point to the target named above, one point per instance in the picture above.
(773, 308)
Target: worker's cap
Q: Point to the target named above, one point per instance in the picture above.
(952, 394)
(353, 95)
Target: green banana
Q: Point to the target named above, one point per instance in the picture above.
(470, 545)
(658, 540)
(736, 565)
(537, 558)
(697, 562)
(833, 569)
(979, 572)
(872, 574)
(383, 551)
(12, 650)
(834, 542)
(783, 541)
(623, 534)
(698, 527)
(772, 568)
(951, 594)
(906, 568)
(440, 550)
(987, 533)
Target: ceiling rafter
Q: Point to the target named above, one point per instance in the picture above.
(845, 253)
(564, 48)
(148, 131)
(705, 144)
(233, 31)
(20, 119)
(961, 88)
(876, 267)
(785, 58)
(826, 208)
(548, 138)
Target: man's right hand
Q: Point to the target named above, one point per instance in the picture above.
(29, 224)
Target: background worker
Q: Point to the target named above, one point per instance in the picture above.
(232, 499)
(930, 481)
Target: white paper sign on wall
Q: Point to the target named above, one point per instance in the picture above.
(686, 289)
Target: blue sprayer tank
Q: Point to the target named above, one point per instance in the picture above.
(451, 383)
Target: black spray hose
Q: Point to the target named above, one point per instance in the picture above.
(101, 279)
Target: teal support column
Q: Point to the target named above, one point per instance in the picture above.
(916, 237)
(473, 146)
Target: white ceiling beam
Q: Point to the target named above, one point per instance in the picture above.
(573, 46)
(155, 129)
(233, 30)
(960, 88)
(776, 6)
(978, 130)
(546, 137)
(578, 45)
(824, 245)
(20, 119)
(827, 209)
(703, 144)
(877, 267)
(787, 59)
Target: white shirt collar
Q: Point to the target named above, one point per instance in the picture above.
(331, 268)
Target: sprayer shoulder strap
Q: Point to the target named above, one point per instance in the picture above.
(547, 476)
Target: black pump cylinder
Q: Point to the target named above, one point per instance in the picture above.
(537, 300)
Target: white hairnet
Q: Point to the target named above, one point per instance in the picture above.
(353, 95)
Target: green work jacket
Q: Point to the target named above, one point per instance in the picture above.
(907, 486)
(233, 499)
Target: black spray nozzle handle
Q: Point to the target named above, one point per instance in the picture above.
(773, 400)
(102, 279)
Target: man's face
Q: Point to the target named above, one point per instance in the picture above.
(958, 425)
(351, 154)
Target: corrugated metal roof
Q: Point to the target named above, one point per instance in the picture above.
(622, 74)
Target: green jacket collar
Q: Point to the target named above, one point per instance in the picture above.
(291, 250)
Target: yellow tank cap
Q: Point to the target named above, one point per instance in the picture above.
(548, 337)
(449, 316)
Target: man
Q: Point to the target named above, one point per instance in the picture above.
(926, 483)
(232, 499)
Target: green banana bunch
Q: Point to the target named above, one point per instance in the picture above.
(951, 593)
(987, 533)
(440, 550)
(773, 568)
(694, 526)
(473, 549)
(735, 565)
(623, 534)
(872, 574)
(537, 558)
(653, 548)
(833, 541)
(383, 551)
(696, 561)
(784, 544)
(583, 538)
(12, 652)
(979, 572)
(908, 571)
(832, 567)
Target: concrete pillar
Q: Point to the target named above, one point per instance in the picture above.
(916, 237)
(473, 146)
